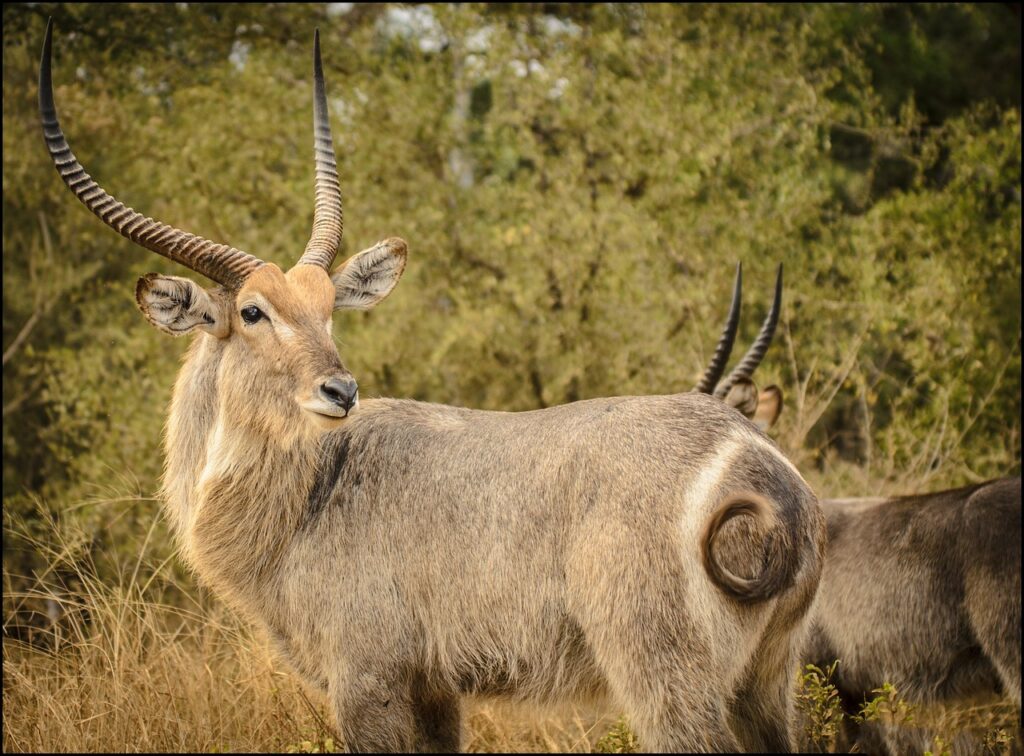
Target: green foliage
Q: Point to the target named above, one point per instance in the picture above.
(885, 705)
(822, 714)
(819, 704)
(898, 724)
(312, 746)
(619, 739)
(576, 184)
(941, 748)
(940, 55)
(997, 740)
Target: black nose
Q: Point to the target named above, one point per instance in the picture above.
(340, 391)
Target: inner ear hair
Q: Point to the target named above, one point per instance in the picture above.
(367, 277)
(178, 306)
(743, 396)
(769, 407)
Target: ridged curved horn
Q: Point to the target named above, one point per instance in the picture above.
(327, 219)
(724, 348)
(219, 262)
(757, 350)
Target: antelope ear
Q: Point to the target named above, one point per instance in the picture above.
(769, 407)
(178, 306)
(743, 396)
(367, 277)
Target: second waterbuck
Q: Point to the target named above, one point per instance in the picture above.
(922, 592)
(659, 550)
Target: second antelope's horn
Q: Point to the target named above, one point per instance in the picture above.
(757, 350)
(725, 342)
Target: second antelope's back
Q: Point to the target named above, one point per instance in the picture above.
(922, 592)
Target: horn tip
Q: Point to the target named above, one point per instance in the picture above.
(317, 65)
(48, 36)
(45, 75)
(737, 287)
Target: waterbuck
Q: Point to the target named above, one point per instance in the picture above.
(402, 554)
(922, 592)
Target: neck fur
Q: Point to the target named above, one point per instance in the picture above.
(234, 492)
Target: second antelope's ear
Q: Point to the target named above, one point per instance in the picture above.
(769, 407)
(367, 277)
(178, 306)
(743, 396)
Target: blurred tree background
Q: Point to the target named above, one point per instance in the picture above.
(576, 183)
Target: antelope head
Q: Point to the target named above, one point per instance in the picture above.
(738, 389)
(273, 327)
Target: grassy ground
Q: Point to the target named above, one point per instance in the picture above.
(141, 676)
(144, 663)
(147, 663)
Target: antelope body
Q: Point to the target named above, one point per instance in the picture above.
(659, 550)
(923, 592)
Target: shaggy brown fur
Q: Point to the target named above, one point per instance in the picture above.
(413, 553)
(923, 592)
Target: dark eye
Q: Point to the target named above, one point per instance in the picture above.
(251, 314)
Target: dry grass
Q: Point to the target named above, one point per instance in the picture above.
(144, 676)
(990, 727)
(147, 663)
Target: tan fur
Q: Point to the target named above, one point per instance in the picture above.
(769, 407)
(363, 280)
(414, 553)
(402, 555)
(743, 396)
(659, 550)
(761, 407)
